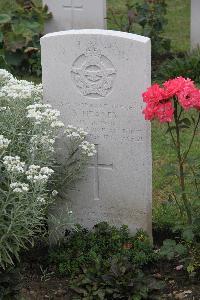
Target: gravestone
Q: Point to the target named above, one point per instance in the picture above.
(96, 79)
(75, 14)
(195, 23)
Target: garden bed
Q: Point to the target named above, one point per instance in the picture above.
(40, 284)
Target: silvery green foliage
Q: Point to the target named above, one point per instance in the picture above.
(28, 171)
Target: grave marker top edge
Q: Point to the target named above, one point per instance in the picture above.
(125, 35)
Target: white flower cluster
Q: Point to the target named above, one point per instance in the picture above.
(13, 89)
(88, 149)
(19, 187)
(4, 142)
(13, 164)
(18, 89)
(43, 113)
(43, 141)
(75, 132)
(39, 175)
(5, 76)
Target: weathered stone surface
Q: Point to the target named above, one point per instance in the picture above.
(195, 23)
(96, 79)
(76, 14)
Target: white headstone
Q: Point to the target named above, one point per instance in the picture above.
(195, 23)
(96, 79)
(75, 14)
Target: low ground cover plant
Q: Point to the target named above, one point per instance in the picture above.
(82, 248)
(29, 173)
(107, 263)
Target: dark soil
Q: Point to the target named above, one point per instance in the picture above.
(39, 283)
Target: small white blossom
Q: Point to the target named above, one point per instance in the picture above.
(87, 148)
(19, 187)
(36, 174)
(13, 164)
(3, 108)
(46, 171)
(38, 105)
(43, 113)
(54, 193)
(4, 142)
(41, 200)
(75, 132)
(57, 124)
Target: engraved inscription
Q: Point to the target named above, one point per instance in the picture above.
(96, 166)
(93, 73)
(108, 121)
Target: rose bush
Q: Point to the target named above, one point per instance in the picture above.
(170, 103)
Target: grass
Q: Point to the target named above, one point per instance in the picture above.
(178, 28)
(164, 161)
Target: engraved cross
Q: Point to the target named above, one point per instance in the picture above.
(96, 166)
(73, 6)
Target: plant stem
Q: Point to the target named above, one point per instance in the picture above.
(181, 166)
(170, 131)
(192, 139)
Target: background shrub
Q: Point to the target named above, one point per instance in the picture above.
(187, 65)
(145, 17)
(21, 26)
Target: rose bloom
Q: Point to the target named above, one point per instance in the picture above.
(159, 100)
(154, 94)
(189, 98)
(174, 86)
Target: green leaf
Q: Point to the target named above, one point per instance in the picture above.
(181, 249)
(4, 18)
(169, 243)
(180, 126)
(8, 6)
(190, 268)
(188, 234)
(185, 121)
(26, 28)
